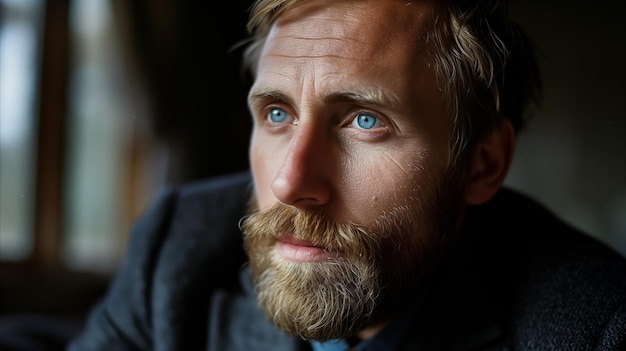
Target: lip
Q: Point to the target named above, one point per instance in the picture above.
(302, 251)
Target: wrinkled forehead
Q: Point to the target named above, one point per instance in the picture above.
(354, 28)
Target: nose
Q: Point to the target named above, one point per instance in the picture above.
(304, 177)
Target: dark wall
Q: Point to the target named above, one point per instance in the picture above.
(572, 155)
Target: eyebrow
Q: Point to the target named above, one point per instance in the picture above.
(370, 97)
(267, 94)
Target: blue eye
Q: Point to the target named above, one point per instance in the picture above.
(365, 121)
(277, 115)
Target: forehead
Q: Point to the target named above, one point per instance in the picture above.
(326, 45)
(368, 31)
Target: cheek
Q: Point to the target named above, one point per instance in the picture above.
(381, 184)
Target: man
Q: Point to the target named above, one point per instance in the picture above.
(374, 217)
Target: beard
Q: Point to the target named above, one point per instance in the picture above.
(371, 274)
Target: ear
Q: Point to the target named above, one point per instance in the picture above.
(490, 164)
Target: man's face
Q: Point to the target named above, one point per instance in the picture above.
(349, 153)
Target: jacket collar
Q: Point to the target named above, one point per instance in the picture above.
(242, 325)
(457, 314)
(470, 297)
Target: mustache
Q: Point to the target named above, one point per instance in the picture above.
(310, 225)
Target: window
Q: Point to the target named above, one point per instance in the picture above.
(74, 150)
(99, 141)
(75, 155)
(20, 37)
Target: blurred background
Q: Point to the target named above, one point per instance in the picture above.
(102, 102)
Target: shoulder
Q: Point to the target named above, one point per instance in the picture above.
(201, 214)
(185, 246)
(201, 227)
(567, 288)
(214, 205)
(201, 252)
(188, 227)
(522, 278)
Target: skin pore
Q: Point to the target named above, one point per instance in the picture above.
(350, 158)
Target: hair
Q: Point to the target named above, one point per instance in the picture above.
(484, 64)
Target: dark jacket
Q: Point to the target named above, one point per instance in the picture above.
(519, 280)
